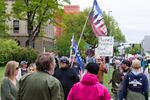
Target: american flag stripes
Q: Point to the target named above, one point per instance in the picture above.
(97, 21)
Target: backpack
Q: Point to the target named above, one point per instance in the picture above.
(131, 95)
(135, 88)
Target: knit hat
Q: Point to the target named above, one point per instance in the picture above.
(92, 68)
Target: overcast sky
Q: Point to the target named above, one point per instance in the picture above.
(133, 16)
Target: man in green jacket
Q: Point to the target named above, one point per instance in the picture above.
(41, 85)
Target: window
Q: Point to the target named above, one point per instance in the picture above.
(16, 26)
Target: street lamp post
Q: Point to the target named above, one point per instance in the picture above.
(109, 32)
(109, 22)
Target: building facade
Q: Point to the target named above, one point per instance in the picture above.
(145, 43)
(71, 9)
(18, 32)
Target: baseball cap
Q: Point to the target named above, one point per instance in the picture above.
(64, 59)
(126, 62)
(23, 62)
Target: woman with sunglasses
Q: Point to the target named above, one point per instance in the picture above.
(9, 82)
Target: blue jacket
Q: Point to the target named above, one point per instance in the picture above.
(135, 83)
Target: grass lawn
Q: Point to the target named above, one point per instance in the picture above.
(1, 75)
(107, 77)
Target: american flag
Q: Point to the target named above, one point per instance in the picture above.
(97, 21)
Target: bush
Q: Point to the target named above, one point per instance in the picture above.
(6, 47)
(27, 54)
(9, 50)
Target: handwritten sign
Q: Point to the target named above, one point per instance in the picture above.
(105, 46)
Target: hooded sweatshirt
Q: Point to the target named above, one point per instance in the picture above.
(88, 88)
(135, 83)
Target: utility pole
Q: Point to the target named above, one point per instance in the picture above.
(110, 34)
(109, 22)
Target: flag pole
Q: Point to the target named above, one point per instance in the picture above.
(71, 47)
(81, 36)
(84, 28)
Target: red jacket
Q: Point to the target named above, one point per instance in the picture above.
(88, 89)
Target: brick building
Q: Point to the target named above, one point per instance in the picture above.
(68, 9)
(71, 9)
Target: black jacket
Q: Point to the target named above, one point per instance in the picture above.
(68, 77)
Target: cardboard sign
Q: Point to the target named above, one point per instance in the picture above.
(105, 46)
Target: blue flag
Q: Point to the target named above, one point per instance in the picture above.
(76, 51)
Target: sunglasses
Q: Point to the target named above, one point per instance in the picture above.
(17, 68)
(31, 69)
(98, 59)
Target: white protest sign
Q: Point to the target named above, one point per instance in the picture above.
(105, 46)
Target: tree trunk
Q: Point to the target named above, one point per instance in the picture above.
(31, 43)
(30, 35)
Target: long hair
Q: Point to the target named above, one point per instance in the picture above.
(10, 70)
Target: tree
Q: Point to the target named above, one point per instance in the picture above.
(63, 44)
(134, 49)
(37, 13)
(113, 28)
(74, 24)
(3, 18)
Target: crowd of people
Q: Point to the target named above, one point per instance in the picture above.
(130, 79)
(53, 78)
